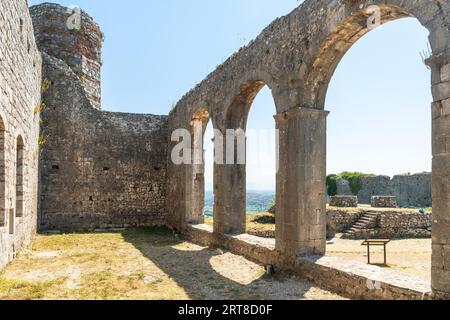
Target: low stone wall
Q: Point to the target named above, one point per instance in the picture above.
(383, 202)
(339, 220)
(398, 225)
(344, 201)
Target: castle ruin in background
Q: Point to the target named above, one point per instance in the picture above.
(411, 190)
(101, 169)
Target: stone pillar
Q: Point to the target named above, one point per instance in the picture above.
(229, 192)
(440, 66)
(301, 182)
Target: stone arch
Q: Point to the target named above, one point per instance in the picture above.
(349, 21)
(231, 189)
(237, 112)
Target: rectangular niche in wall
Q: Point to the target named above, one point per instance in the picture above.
(19, 178)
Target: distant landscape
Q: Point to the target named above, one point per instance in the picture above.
(257, 201)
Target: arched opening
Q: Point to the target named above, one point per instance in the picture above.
(248, 177)
(261, 165)
(379, 127)
(198, 125)
(20, 167)
(2, 175)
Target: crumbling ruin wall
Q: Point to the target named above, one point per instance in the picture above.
(410, 190)
(74, 37)
(97, 169)
(20, 80)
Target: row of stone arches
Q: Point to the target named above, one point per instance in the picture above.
(296, 57)
(8, 215)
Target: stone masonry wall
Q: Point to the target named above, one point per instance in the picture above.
(393, 224)
(97, 169)
(70, 34)
(20, 79)
(339, 220)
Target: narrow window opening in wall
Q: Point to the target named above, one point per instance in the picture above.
(55, 167)
(21, 25)
(11, 221)
(105, 169)
(91, 198)
(20, 177)
(2, 176)
(157, 168)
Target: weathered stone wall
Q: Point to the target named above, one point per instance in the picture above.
(344, 201)
(410, 190)
(373, 186)
(393, 224)
(339, 220)
(383, 202)
(71, 35)
(97, 169)
(20, 79)
(401, 224)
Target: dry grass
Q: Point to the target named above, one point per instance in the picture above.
(141, 264)
(257, 225)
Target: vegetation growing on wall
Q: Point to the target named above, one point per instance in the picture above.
(332, 184)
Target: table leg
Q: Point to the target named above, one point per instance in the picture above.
(368, 254)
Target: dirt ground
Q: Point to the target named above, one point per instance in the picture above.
(412, 256)
(142, 264)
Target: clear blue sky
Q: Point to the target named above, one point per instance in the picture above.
(379, 98)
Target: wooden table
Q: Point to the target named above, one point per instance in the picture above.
(376, 243)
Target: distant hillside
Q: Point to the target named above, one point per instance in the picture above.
(257, 201)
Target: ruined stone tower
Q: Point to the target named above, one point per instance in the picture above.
(71, 35)
(97, 169)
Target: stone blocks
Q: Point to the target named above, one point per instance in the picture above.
(344, 201)
(20, 82)
(384, 202)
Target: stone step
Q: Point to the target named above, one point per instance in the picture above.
(368, 219)
(371, 214)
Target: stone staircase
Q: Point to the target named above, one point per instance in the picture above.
(363, 226)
